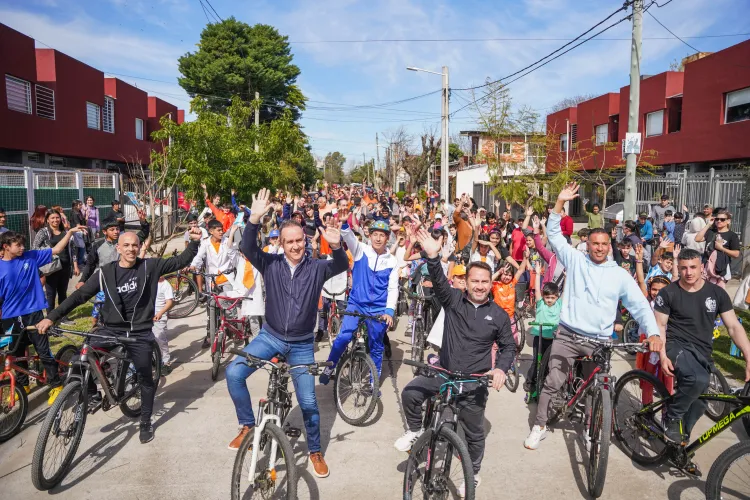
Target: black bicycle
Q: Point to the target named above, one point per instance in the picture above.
(586, 397)
(185, 292)
(428, 472)
(356, 386)
(419, 329)
(106, 364)
(640, 404)
(264, 466)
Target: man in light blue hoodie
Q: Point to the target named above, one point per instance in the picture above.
(593, 288)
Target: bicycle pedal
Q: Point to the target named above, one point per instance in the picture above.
(293, 432)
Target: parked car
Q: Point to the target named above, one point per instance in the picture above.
(613, 214)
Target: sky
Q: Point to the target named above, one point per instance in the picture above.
(139, 41)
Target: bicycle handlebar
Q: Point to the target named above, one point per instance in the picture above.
(209, 275)
(361, 316)
(258, 361)
(116, 338)
(638, 346)
(476, 377)
(333, 294)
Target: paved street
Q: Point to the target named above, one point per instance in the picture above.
(195, 421)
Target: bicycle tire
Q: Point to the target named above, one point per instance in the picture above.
(621, 430)
(185, 300)
(716, 410)
(422, 448)
(553, 414)
(721, 466)
(521, 332)
(217, 348)
(356, 362)
(63, 357)
(630, 334)
(11, 423)
(513, 376)
(746, 418)
(600, 431)
(417, 348)
(75, 392)
(285, 447)
(334, 329)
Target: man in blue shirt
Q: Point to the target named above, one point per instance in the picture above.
(22, 301)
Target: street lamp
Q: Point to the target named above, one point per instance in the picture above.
(444, 139)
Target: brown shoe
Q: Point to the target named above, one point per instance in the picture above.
(320, 468)
(236, 442)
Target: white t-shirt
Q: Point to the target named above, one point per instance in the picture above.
(163, 294)
(489, 258)
(204, 235)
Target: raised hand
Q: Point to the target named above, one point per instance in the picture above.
(538, 268)
(535, 222)
(429, 245)
(234, 191)
(260, 205)
(569, 192)
(677, 248)
(195, 233)
(529, 211)
(332, 235)
(639, 252)
(289, 198)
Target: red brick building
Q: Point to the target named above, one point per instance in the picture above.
(694, 120)
(56, 111)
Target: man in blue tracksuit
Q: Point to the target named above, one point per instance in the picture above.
(374, 293)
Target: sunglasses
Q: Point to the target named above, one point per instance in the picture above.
(722, 219)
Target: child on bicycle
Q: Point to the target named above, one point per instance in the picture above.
(504, 284)
(548, 307)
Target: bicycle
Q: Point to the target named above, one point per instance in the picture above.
(235, 329)
(265, 475)
(418, 331)
(110, 367)
(431, 456)
(186, 294)
(640, 404)
(526, 307)
(356, 379)
(586, 397)
(333, 316)
(541, 369)
(14, 403)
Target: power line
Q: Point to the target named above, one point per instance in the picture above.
(212, 8)
(205, 12)
(670, 31)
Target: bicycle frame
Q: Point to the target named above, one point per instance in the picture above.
(97, 354)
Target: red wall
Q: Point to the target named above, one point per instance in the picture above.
(703, 136)
(74, 84)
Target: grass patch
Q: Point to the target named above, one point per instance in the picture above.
(727, 363)
(81, 317)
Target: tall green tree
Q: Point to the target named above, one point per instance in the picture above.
(363, 173)
(334, 168)
(454, 153)
(235, 59)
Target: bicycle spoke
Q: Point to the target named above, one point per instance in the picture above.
(634, 396)
(61, 437)
(271, 478)
(9, 416)
(445, 472)
(736, 482)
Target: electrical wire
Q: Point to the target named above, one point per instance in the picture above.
(214, 10)
(670, 31)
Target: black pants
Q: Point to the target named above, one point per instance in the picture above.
(692, 374)
(140, 354)
(531, 375)
(40, 342)
(57, 287)
(471, 412)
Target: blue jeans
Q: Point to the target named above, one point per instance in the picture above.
(266, 346)
(375, 332)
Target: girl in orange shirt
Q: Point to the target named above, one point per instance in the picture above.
(504, 293)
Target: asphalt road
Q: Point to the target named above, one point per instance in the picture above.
(195, 420)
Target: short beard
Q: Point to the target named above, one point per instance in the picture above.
(475, 299)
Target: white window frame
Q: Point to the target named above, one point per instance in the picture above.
(15, 88)
(741, 94)
(563, 143)
(649, 116)
(108, 115)
(45, 102)
(601, 133)
(93, 110)
(139, 129)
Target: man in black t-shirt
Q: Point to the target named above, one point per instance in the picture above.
(685, 312)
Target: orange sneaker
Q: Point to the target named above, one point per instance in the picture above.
(236, 442)
(320, 468)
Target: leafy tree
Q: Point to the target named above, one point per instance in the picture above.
(416, 166)
(333, 165)
(235, 59)
(363, 173)
(569, 102)
(454, 153)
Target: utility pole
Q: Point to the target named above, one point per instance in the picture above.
(377, 151)
(444, 144)
(257, 118)
(367, 170)
(633, 109)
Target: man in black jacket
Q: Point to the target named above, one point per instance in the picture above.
(293, 282)
(473, 322)
(104, 250)
(129, 285)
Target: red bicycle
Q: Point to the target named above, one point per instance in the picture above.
(14, 403)
(229, 327)
(334, 315)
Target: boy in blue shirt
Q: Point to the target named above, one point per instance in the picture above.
(548, 307)
(23, 301)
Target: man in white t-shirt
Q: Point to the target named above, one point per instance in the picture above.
(163, 303)
(193, 222)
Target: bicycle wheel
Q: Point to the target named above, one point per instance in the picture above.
(448, 463)
(12, 418)
(717, 384)
(600, 430)
(630, 334)
(356, 388)
(217, 348)
(417, 348)
(185, 293)
(520, 332)
(59, 437)
(276, 478)
(63, 358)
(638, 433)
(729, 477)
(334, 329)
(513, 375)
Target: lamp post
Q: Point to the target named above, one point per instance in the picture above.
(444, 135)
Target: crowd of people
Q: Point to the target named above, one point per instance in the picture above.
(293, 254)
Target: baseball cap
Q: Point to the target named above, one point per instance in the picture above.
(643, 214)
(459, 270)
(274, 233)
(380, 226)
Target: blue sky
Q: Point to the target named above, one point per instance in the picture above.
(144, 38)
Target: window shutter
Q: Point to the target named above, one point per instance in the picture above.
(108, 115)
(18, 93)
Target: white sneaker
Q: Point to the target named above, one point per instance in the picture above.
(405, 442)
(462, 488)
(537, 434)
